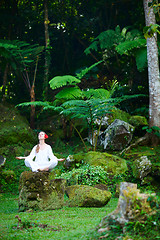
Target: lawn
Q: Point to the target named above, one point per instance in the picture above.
(62, 224)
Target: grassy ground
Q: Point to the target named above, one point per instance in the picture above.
(62, 224)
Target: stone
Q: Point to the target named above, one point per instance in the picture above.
(141, 167)
(112, 164)
(117, 136)
(38, 191)
(87, 196)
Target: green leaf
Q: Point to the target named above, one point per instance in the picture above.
(69, 93)
(60, 81)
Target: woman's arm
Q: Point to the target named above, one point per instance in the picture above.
(30, 156)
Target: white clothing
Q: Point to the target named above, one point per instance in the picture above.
(41, 159)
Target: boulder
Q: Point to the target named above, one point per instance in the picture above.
(87, 196)
(38, 191)
(117, 136)
(112, 164)
(141, 167)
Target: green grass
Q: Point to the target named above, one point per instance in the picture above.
(62, 224)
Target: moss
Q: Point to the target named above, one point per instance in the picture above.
(13, 127)
(87, 196)
(118, 114)
(138, 121)
(39, 192)
(111, 163)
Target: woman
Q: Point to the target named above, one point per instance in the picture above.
(42, 152)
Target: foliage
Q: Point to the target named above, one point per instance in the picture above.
(19, 52)
(60, 81)
(122, 42)
(155, 130)
(85, 175)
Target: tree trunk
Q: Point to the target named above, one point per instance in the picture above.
(4, 83)
(47, 52)
(153, 69)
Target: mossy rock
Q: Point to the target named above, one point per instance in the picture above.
(113, 165)
(40, 191)
(138, 121)
(13, 127)
(116, 113)
(87, 196)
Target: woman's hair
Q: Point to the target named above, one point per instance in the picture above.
(37, 148)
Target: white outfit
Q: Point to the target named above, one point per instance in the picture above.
(41, 159)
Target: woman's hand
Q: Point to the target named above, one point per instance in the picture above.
(61, 159)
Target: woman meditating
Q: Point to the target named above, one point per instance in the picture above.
(44, 157)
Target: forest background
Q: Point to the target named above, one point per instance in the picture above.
(92, 44)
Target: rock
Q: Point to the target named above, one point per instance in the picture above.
(141, 167)
(138, 121)
(13, 127)
(87, 196)
(2, 161)
(38, 192)
(117, 136)
(113, 165)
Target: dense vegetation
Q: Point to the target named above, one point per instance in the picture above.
(63, 65)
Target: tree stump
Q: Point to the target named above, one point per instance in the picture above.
(38, 191)
(127, 210)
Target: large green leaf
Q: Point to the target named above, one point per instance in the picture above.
(69, 93)
(60, 81)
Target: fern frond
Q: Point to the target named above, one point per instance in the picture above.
(36, 104)
(93, 46)
(60, 81)
(69, 93)
(141, 59)
(87, 69)
(125, 47)
(97, 93)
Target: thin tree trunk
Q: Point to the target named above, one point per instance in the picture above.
(153, 69)
(47, 52)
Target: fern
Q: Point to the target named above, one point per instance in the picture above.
(141, 59)
(97, 93)
(69, 93)
(127, 46)
(36, 103)
(60, 81)
(87, 69)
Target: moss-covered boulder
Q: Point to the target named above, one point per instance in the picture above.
(141, 167)
(38, 191)
(13, 127)
(144, 162)
(113, 165)
(138, 121)
(87, 196)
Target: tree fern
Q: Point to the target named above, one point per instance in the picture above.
(69, 93)
(87, 69)
(127, 46)
(60, 81)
